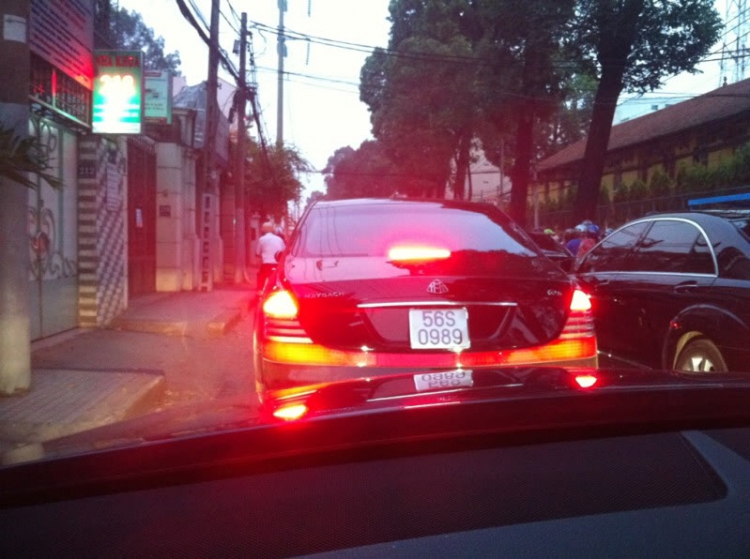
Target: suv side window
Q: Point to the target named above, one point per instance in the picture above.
(672, 246)
(610, 254)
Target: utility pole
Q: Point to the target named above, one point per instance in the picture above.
(212, 86)
(208, 193)
(240, 231)
(280, 99)
(15, 290)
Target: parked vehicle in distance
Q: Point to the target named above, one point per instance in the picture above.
(369, 285)
(672, 291)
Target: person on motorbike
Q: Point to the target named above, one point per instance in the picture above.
(269, 246)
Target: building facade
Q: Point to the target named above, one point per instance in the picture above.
(704, 130)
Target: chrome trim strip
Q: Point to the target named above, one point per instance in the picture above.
(433, 304)
(635, 364)
(663, 273)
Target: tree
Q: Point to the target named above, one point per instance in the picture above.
(271, 178)
(635, 44)
(366, 171)
(116, 28)
(420, 95)
(572, 118)
(525, 82)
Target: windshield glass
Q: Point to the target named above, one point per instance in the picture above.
(351, 233)
(213, 207)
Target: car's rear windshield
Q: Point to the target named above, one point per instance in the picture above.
(373, 230)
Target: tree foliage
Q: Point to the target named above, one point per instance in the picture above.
(459, 71)
(271, 178)
(525, 83)
(635, 44)
(117, 28)
(420, 94)
(366, 171)
(521, 80)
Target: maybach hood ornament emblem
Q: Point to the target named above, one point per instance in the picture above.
(437, 287)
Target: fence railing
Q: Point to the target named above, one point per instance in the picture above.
(615, 214)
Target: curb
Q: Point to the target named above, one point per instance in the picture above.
(222, 323)
(226, 320)
(33, 418)
(150, 326)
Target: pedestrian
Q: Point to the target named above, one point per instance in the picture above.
(591, 237)
(573, 244)
(268, 247)
(279, 233)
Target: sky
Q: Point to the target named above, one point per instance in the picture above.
(321, 107)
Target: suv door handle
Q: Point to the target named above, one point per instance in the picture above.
(685, 287)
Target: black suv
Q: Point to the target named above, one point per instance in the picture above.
(672, 291)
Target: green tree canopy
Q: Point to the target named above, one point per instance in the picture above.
(420, 95)
(366, 171)
(635, 44)
(117, 28)
(456, 71)
(524, 83)
(271, 178)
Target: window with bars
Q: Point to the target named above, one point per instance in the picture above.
(57, 91)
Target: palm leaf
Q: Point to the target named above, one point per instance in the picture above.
(21, 157)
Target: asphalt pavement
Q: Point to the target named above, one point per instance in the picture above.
(71, 397)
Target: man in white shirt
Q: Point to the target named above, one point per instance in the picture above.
(267, 248)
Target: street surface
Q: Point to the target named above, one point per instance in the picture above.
(196, 368)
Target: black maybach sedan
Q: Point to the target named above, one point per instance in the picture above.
(370, 285)
(672, 291)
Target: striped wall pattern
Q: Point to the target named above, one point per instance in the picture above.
(101, 235)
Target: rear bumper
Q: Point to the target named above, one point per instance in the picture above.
(278, 368)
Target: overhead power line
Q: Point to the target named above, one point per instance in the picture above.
(223, 58)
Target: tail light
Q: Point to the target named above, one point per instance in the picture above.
(290, 412)
(287, 342)
(580, 323)
(281, 323)
(280, 304)
(586, 381)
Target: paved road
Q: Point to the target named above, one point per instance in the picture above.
(196, 369)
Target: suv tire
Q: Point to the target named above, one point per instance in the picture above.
(700, 355)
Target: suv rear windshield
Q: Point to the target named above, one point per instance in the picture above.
(371, 230)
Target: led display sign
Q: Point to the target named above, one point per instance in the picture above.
(118, 92)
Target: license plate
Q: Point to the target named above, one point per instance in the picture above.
(424, 382)
(439, 328)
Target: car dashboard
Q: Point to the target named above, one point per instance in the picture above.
(681, 493)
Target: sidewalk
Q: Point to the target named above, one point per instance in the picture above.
(67, 399)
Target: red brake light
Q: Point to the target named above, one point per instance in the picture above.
(580, 302)
(411, 253)
(290, 412)
(280, 304)
(585, 381)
